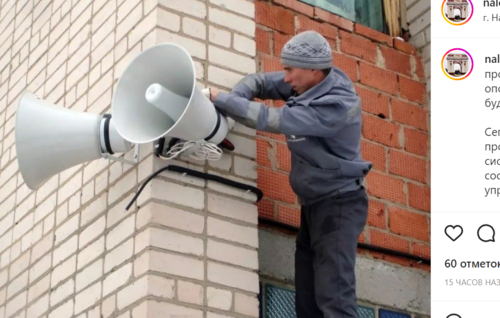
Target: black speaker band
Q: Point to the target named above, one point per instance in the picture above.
(216, 129)
(107, 142)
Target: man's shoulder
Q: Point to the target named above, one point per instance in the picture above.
(337, 95)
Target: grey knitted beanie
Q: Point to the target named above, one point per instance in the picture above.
(308, 49)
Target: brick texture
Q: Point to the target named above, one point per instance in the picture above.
(379, 78)
(389, 76)
(358, 46)
(412, 90)
(374, 102)
(274, 17)
(402, 222)
(85, 256)
(382, 131)
(69, 249)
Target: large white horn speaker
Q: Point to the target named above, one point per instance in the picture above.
(51, 139)
(157, 96)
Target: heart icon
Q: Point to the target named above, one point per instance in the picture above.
(453, 232)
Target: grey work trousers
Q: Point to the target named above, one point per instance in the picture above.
(325, 256)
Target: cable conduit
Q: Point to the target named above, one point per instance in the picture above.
(260, 195)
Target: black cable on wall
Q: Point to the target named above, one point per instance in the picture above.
(366, 246)
(260, 195)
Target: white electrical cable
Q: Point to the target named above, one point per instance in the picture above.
(205, 151)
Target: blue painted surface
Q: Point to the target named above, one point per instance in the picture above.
(366, 312)
(279, 302)
(383, 313)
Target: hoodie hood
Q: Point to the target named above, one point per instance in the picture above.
(335, 85)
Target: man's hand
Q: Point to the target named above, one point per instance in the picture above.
(211, 93)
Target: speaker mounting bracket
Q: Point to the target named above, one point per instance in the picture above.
(130, 162)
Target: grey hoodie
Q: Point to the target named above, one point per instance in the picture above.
(322, 128)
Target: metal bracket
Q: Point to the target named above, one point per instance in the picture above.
(135, 161)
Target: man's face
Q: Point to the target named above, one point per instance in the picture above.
(300, 79)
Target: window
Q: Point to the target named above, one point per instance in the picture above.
(370, 13)
(380, 15)
(279, 302)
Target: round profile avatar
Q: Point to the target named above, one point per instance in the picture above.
(457, 12)
(457, 64)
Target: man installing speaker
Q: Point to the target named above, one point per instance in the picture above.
(322, 124)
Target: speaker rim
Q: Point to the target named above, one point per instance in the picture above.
(20, 163)
(193, 89)
(29, 101)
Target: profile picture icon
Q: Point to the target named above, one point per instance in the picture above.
(457, 64)
(457, 12)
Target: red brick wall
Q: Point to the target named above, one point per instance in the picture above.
(388, 76)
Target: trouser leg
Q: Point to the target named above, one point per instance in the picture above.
(335, 225)
(305, 299)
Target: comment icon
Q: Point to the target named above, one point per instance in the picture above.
(486, 233)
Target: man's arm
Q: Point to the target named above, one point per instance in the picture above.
(319, 121)
(269, 85)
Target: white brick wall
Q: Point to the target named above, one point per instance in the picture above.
(69, 249)
(419, 20)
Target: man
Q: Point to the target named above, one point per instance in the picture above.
(322, 124)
